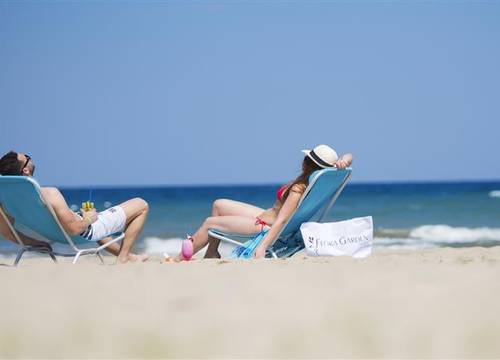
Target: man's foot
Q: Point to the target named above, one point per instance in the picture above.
(132, 258)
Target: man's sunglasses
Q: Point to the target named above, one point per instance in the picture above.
(28, 158)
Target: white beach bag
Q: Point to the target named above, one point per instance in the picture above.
(352, 237)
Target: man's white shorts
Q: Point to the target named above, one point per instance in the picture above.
(110, 221)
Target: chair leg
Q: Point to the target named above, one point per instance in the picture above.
(53, 257)
(77, 256)
(88, 252)
(98, 254)
(19, 256)
(23, 250)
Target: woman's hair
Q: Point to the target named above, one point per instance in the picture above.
(308, 167)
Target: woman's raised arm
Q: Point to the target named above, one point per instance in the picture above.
(288, 208)
(344, 161)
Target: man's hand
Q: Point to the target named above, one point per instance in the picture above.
(89, 215)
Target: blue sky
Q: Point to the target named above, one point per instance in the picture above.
(230, 92)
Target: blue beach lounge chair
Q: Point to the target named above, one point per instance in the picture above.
(324, 188)
(21, 199)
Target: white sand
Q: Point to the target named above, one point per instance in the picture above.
(439, 303)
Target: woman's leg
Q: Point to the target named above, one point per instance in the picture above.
(239, 224)
(225, 207)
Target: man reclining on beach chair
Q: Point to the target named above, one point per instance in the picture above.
(128, 217)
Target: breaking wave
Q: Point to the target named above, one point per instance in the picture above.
(494, 194)
(437, 235)
(421, 237)
(156, 245)
(172, 246)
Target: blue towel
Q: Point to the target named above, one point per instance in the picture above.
(246, 250)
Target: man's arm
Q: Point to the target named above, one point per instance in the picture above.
(5, 229)
(69, 221)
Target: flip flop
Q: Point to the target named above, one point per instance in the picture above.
(169, 259)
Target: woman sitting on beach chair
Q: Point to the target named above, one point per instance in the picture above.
(242, 218)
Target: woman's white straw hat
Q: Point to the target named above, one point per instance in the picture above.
(322, 155)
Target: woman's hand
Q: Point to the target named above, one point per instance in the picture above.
(341, 164)
(344, 162)
(260, 252)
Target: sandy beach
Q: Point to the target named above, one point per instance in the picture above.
(436, 303)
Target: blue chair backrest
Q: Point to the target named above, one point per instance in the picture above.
(323, 184)
(20, 198)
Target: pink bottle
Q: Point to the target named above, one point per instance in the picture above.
(187, 248)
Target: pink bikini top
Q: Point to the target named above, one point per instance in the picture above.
(281, 191)
(279, 195)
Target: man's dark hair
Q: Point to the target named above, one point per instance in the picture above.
(9, 164)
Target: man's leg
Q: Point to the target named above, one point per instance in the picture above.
(113, 248)
(136, 211)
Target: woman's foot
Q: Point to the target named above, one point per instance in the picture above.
(212, 255)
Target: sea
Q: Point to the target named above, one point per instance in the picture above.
(410, 216)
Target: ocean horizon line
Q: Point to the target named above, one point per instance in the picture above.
(246, 185)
